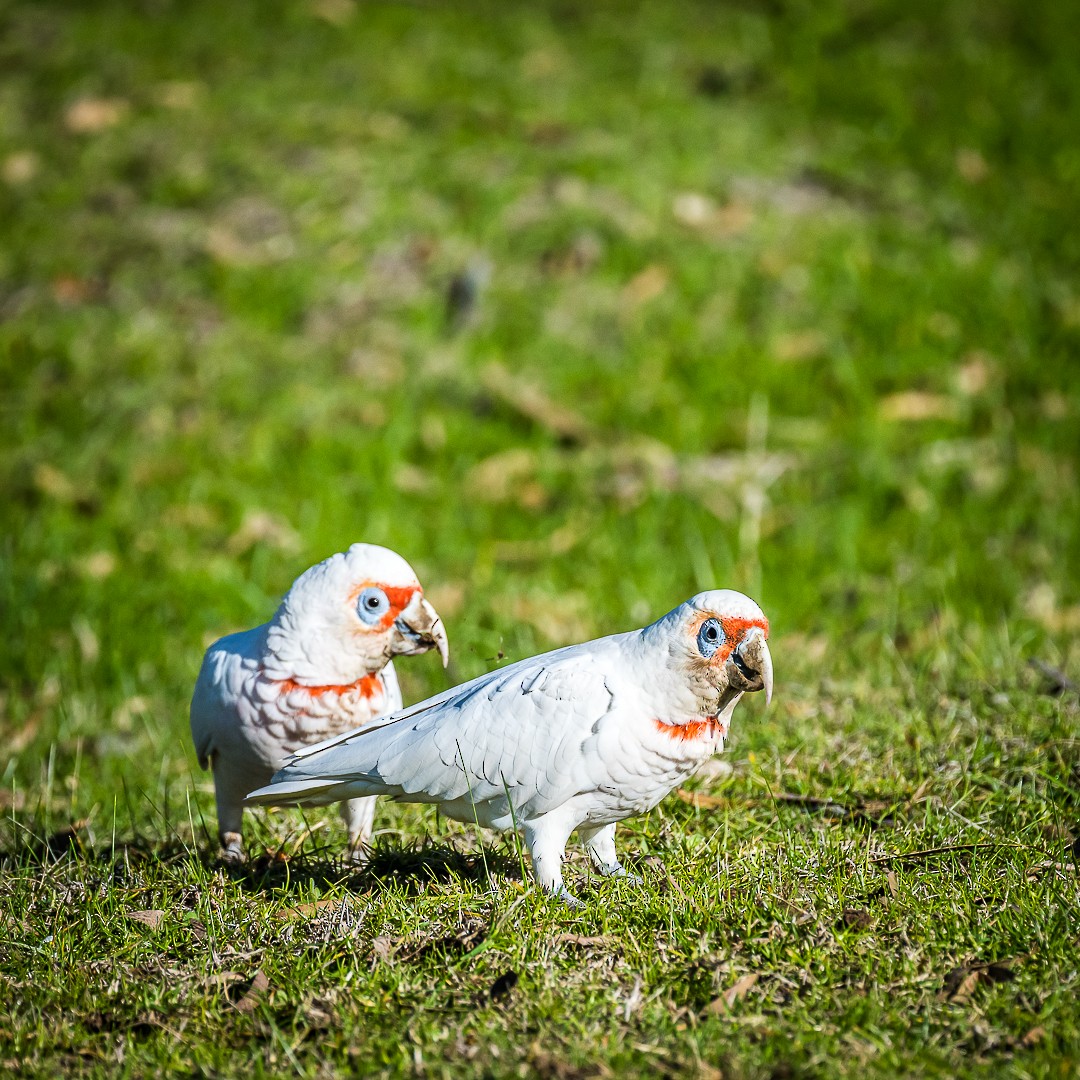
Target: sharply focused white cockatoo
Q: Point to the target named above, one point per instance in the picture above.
(319, 667)
(579, 738)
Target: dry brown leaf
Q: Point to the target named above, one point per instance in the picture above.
(693, 209)
(99, 564)
(1042, 606)
(260, 527)
(305, 911)
(1054, 405)
(335, 12)
(856, 918)
(646, 285)
(90, 115)
(974, 374)
(561, 619)
(799, 345)
(447, 598)
(917, 405)
(382, 949)
(559, 542)
(965, 988)
(701, 800)
(179, 94)
(534, 403)
(697, 211)
(971, 165)
(584, 940)
(69, 290)
(499, 477)
(255, 992)
(20, 167)
(50, 481)
(1033, 1037)
(722, 1005)
(152, 917)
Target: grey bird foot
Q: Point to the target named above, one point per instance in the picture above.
(617, 870)
(232, 848)
(568, 898)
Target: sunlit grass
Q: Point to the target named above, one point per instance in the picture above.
(582, 311)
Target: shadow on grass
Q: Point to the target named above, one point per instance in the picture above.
(409, 866)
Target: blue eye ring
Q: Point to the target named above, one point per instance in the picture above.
(710, 637)
(371, 605)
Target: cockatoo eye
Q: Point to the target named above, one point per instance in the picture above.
(372, 605)
(710, 637)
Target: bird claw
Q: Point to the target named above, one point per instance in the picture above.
(568, 898)
(617, 870)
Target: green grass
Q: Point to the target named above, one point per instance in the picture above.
(802, 280)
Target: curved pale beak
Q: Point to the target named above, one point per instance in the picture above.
(421, 628)
(753, 662)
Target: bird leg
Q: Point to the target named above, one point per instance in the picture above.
(359, 815)
(599, 842)
(546, 837)
(230, 814)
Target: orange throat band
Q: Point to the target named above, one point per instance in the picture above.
(367, 686)
(709, 726)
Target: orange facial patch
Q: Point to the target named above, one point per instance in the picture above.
(367, 685)
(692, 729)
(400, 596)
(733, 628)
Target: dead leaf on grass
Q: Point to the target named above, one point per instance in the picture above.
(722, 1005)
(646, 285)
(534, 403)
(960, 985)
(856, 918)
(961, 982)
(317, 907)
(382, 949)
(152, 917)
(558, 542)
(701, 800)
(255, 992)
(335, 12)
(1033, 1037)
(260, 527)
(584, 940)
(971, 165)
(20, 167)
(88, 116)
(916, 405)
(799, 345)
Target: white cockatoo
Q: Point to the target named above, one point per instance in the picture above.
(319, 667)
(578, 738)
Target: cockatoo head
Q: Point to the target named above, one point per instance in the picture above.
(347, 616)
(721, 638)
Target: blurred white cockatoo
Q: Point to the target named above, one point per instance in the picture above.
(319, 667)
(579, 738)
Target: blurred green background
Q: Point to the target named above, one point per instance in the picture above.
(582, 308)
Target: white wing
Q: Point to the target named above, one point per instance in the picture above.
(226, 666)
(522, 732)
